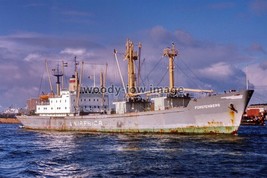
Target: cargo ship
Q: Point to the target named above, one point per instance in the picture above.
(168, 110)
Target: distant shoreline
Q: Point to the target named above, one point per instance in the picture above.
(9, 121)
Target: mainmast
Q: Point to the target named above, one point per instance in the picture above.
(171, 53)
(131, 56)
(64, 64)
(58, 74)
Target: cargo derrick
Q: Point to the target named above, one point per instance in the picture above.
(131, 56)
(171, 54)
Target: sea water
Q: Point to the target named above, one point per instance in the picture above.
(25, 153)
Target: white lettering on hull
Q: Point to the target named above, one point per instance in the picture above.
(233, 97)
(86, 123)
(207, 106)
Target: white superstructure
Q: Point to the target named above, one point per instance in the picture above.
(77, 100)
(62, 105)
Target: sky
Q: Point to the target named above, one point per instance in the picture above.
(220, 43)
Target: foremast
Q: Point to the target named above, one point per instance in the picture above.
(131, 56)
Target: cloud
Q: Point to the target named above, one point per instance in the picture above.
(258, 6)
(32, 56)
(73, 51)
(199, 63)
(35, 41)
(263, 66)
(22, 57)
(194, 51)
(255, 47)
(184, 37)
(218, 71)
(10, 73)
(18, 95)
(160, 35)
(256, 74)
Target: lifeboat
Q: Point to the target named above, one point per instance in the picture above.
(44, 97)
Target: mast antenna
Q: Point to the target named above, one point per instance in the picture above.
(247, 81)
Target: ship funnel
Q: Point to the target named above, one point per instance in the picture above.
(72, 84)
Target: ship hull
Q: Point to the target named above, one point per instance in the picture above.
(211, 114)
